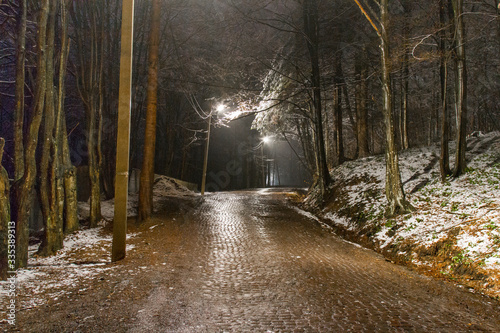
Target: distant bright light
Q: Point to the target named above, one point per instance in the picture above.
(266, 139)
(220, 107)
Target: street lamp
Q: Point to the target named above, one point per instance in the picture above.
(265, 140)
(220, 108)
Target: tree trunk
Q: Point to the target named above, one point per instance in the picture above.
(53, 235)
(23, 189)
(405, 73)
(361, 114)
(88, 29)
(444, 160)
(337, 109)
(70, 201)
(110, 95)
(19, 109)
(404, 104)
(94, 172)
(147, 171)
(311, 26)
(4, 217)
(93, 116)
(393, 186)
(330, 139)
(68, 171)
(460, 88)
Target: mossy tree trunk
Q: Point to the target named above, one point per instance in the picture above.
(67, 172)
(4, 216)
(49, 164)
(59, 209)
(23, 188)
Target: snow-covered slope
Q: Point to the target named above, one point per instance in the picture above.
(163, 187)
(455, 229)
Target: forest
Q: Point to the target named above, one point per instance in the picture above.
(335, 80)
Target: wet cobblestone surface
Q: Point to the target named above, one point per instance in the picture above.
(248, 262)
(255, 265)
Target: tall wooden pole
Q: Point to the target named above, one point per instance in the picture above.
(123, 135)
(263, 165)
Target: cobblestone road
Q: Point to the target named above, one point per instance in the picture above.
(252, 263)
(249, 262)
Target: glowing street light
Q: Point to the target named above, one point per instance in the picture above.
(220, 108)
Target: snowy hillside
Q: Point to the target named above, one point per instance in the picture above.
(163, 187)
(455, 230)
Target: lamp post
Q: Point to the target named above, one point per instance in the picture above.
(220, 108)
(265, 140)
(205, 159)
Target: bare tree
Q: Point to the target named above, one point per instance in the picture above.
(52, 217)
(311, 30)
(460, 87)
(444, 160)
(405, 74)
(89, 35)
(337, 107)
(393, 185)
(58, 185)
(148, 171)
(19, 109)
(23, 188)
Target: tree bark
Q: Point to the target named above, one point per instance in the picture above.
(93, 116)
(23, 188)
(53, 235)
(19, 108)
(67, 171)
(361, 113)
(393, 186)
(147, 171)
(88, 29)
(460, 88)
(4, 216)
(311, 26)
(405, 74)
(404, 103)
(337, 109)
(110, 95)
(444, 160)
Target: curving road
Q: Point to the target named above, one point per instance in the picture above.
(249, 262)
(253, 263)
